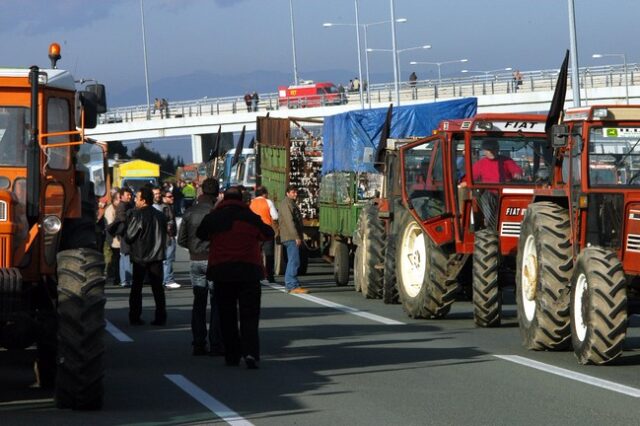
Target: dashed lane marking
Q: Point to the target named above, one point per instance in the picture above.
(215, 406)
(579, 377)
(342, 308)
(117, 333)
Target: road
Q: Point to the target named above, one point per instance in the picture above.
(334, 358)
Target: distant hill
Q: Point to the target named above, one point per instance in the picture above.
(204, 83)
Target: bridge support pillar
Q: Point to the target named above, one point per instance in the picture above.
(196, 148)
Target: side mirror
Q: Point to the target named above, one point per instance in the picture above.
(87, 102)
(101, 101)
(559, 135)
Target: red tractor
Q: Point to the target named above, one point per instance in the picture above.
(465, 190)
(579, 252)
(51, 273)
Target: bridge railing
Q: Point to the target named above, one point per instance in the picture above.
(473, 85)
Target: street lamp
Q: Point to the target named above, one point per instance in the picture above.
(439, 65)
(399, 51)
(486, 73)
(146, 68)
(366, 49)
(624, 60)
(293, 44)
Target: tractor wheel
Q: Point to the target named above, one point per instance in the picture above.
(81, 325)
(598, 307)
(389, 288)
(543, 273)
(487, 295)
(341, 263)
(424, 289)
(370, 250)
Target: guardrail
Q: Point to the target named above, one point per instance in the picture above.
(499, 83)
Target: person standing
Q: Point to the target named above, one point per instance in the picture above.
(119, 228)
(264, 207)
(235, 266)
(413, 80)
(147, 237)
(188, 195)
(254, 101)
(202, 288)
(172, 230)
(248, 100)
(113, 268)
(291, 227)
(157, 199)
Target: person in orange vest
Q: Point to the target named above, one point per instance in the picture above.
(264, 207)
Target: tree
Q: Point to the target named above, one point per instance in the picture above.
(117, 148)
(167, 164)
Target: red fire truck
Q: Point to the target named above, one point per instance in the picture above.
(310, 95)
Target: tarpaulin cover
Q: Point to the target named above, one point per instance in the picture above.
(350, 139)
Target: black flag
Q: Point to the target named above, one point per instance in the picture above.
(384, 135)
(216, 146)
(239, 147)
(557, 103)
(252, 143)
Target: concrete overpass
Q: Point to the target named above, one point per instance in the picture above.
(198, 118)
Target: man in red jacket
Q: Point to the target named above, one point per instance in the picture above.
(235, 266)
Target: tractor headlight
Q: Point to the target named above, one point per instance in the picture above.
(52, 224)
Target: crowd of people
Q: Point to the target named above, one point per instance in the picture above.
(230, 238)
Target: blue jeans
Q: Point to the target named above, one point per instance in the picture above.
(293, 264)
(167, 264)
(201, 289)
(126, 275)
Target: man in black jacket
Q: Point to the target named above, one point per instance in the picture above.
(147, 237)
(199, 253)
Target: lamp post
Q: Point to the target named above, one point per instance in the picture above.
(293, 44)
(399, 51)
(146, 68)
(439, 65)
(394, 46)
(366, 49)
(624, 60)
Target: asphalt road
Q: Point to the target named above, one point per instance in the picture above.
(335, 358)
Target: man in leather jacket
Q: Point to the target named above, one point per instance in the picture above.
(199, 253)
(147, 238)
(235, 265)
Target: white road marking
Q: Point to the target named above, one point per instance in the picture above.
(215, 406)
(117, 333)
(342, 308)
(579, 377)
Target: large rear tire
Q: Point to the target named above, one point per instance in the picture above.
(487, 295)
(81, 325)
(424, 288)
(543, 273)
(389, 287)
(598, 307)
(341, 264)
(367, 274)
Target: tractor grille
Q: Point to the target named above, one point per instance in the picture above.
(633, 242)
(3, 211)
(510, 229)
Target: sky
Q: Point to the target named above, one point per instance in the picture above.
(102, 39)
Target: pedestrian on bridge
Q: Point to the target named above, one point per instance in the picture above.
(147, 237)
(235, 266)
(254, 101)
(248, 100)
(202, 287)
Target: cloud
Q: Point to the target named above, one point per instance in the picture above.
(33, 17)
(228, 3)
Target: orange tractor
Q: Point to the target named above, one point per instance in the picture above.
(578, 263)
(51, 273)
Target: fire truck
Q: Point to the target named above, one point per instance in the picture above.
(578, 264)
(310, 95)
(51, 273)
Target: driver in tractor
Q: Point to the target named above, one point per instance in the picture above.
(493, 167)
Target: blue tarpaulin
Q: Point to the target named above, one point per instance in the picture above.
(350, 136)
